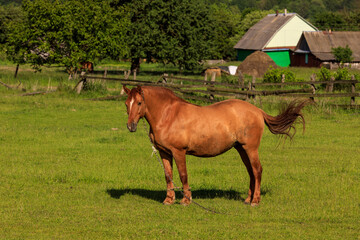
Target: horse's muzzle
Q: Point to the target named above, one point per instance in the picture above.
(132, 126)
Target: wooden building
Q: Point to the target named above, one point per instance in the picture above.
(276, 35)
(314, 48)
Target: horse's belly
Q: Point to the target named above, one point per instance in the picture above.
(209, 146)
(205, 153)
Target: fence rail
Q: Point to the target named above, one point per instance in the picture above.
(208, 90)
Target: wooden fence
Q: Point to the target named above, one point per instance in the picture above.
(210, 90)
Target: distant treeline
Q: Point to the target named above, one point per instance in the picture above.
(6, 2)
(182, 33)
(306, 8)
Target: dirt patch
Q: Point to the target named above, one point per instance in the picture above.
(256, 64)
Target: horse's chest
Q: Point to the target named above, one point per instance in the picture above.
(159, 143)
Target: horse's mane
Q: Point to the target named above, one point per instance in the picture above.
(165, 94)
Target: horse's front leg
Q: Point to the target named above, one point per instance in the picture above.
(168, 164)
(180, 160)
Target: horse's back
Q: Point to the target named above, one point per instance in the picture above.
(233, 109)
(213, 129)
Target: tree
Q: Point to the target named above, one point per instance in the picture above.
(329, 20)
(352, 19)
(93, 30)
(225, 25)
(8, 14)
(9, 2)
(176, 32)
(250, 19)
(66, 33)
(14, 43)
(190, 32)
(342, 55)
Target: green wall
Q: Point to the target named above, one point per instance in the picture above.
(242, 54)
(281, 58)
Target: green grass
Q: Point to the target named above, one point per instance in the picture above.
(69, 169)
(65, 173)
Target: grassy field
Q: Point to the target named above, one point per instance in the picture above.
(69, 169)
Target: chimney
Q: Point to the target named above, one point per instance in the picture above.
(277, 13)
(285, 12)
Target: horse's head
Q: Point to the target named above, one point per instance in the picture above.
(135, 106)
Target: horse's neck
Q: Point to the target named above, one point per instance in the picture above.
(154, 109)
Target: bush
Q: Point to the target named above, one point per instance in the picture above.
(341, 74)
(324, 74)
(274, 75)
(342, 55)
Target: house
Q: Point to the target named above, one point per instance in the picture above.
(275, 34)
(314, 48)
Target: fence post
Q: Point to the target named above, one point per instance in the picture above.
(105, 73)
(241, 81)
(252, 87)
(135, 74)
(75, 74)
(282, 80)
(330, 85)
(253, 82)
(213, 78)
(126, 77)
(81, 83)
(353, 89)
(171, 78)
(127, 74)
(165, 75)
(313, 79)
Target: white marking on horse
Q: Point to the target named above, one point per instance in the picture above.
(131, 103)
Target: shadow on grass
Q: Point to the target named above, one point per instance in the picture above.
(159, 196)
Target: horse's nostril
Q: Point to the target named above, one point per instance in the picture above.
(132, 126)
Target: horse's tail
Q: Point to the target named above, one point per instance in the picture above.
(284, 122)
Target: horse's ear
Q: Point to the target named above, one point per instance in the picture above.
(139, 89)
(126, 90)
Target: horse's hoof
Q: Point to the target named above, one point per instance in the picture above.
(247, 203)
(254, 204)
(185, 202)
(169, 201)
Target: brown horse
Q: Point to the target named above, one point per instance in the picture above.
(178, 128)
(87, 66)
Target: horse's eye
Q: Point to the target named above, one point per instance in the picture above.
(139, 103)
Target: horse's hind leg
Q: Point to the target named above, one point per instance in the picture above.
(247, 163)
(168, 164)
(250, 157)
(257, 170)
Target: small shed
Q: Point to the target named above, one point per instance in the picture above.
(314, 48)
(276, 35)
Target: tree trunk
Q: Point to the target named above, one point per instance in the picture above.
(16, 71)
(135, 65)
